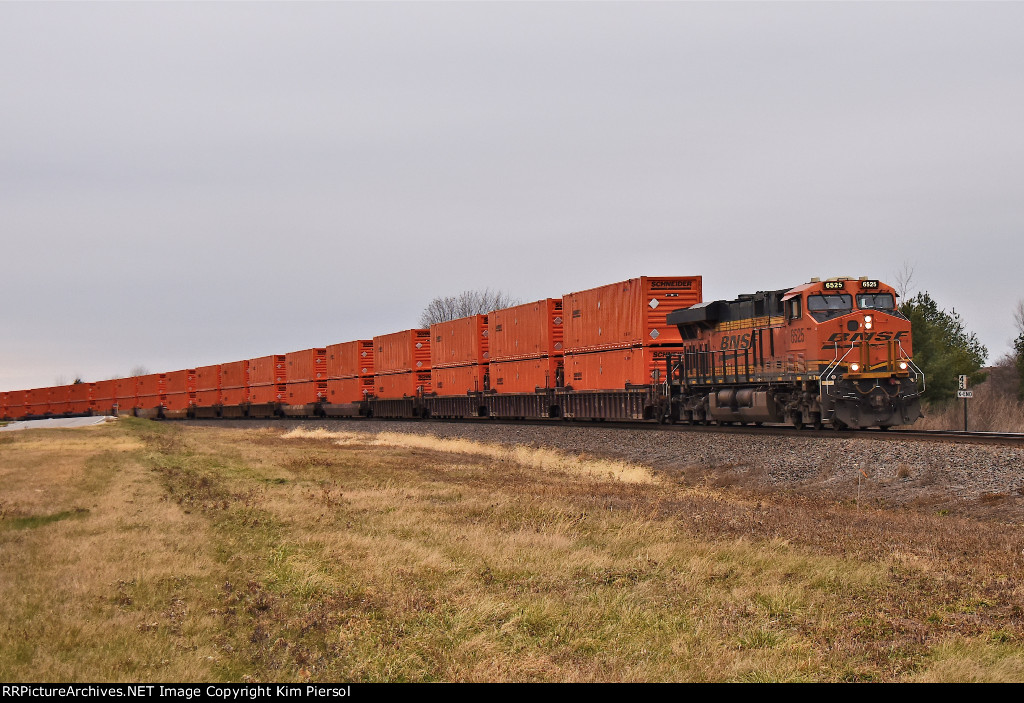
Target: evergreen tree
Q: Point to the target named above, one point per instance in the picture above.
(1018, 350)
(943, 347)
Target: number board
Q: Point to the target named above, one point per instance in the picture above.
(834, 285)
(869, 284)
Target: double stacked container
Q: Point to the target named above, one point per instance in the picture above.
(401, 373)
(37, 402)
(234, 388)
(59, 401)
(617, 335)
(267, 376)
(526, 358)
(151, 394)
(526, 347)
(459, 358)
(349, 374)
(459, 355)
(15, 405)
(104, 397)
(306, 376)
(179, 392)
(208, 386)
(125, 394)
(80, 398)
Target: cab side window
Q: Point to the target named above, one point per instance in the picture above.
(794, 310)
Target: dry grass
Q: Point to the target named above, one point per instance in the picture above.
(220, 554)
(990, 410)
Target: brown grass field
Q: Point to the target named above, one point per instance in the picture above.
(140, 551)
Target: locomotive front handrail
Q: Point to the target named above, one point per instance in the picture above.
(910, 362)
(829, 373)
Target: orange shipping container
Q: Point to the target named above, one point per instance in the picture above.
(629, 313)
(60, 400)
(459, 380)
(183, 381)
(104, 390)
(524, 375)
(208, 386)
(349, 390)
(526, 331)
(459, 342)
(616, 368)
(16, 403)
(80, 399)
(103, 395)
(147, 402)
(267, 370)
(306, 365)
(152, 384)
(179, 401)
(234, 375)
(234, 396)
(208, 378)
(268, 393)
(408, 350)
(125, 393)
(37, 401)
(401, 385)
(306, 392)
(350, 359)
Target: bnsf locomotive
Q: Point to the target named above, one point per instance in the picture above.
(834, 352)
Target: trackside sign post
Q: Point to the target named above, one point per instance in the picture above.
(965, 394)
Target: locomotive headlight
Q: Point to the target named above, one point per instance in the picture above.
(855, 367)
(903, 366)
(867, 322)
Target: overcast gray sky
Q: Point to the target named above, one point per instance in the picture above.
(187, 184)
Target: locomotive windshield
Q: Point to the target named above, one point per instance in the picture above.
(822, 306)
(876, 301)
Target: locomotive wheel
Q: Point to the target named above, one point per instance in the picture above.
(797, 421)
(816, 422)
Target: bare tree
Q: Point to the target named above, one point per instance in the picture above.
(470, 302)
(903, 280)
(1018, 317)
(138, 371)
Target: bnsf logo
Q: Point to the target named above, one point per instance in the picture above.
(736, 341)
(672, 284)
(841, 337)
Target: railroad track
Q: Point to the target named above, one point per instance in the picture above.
(946, 436)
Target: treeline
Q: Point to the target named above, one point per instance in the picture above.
(945, 349)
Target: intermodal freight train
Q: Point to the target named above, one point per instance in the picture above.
(835, 352)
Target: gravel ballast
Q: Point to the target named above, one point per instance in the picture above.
(979, 479)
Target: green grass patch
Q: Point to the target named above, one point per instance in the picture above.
(33, 521)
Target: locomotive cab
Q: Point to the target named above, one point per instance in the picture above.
(827, 352)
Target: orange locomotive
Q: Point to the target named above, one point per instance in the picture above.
(834, 352)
